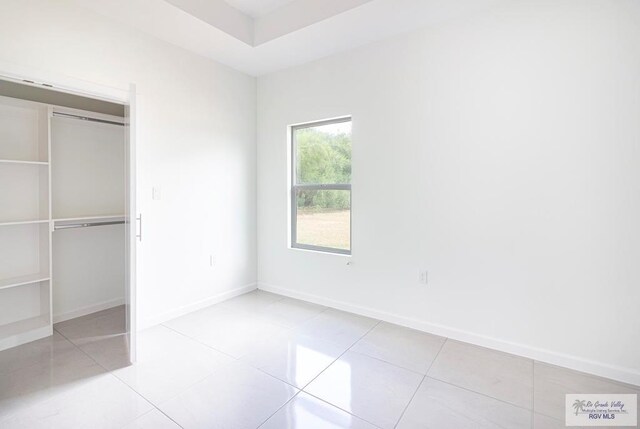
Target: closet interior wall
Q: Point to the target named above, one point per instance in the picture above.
(87, 180)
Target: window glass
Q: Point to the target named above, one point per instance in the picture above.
(323, 153)
(324, 218)
(321, 186)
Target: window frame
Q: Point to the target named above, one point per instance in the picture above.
(293, 199)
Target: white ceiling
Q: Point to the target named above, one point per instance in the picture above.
(297, 32)
(291, 16)
(257, 8)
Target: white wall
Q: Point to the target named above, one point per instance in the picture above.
(500, 152)
(195, 136)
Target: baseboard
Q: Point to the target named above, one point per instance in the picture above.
(624, 375)
(61, 317)
(198, 305)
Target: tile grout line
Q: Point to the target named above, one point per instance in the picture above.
(341, 354)
(593, 376)
(480, 393)
(279, 408)
(300, 389)
(334, 361)
(239, 361)
(341, 409)
(424, 377)
(349, 349)
(384, 361)
(236, 360)
(197, 341)
(533, 393)
(110, 372)
(474, 391)
(287, 329)
(154, 406)
(406, 407)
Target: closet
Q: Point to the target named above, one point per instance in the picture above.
(63, 210)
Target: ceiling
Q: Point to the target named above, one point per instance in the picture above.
(262, 36)
(257, 8)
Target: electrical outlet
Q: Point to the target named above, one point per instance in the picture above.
(423, 277)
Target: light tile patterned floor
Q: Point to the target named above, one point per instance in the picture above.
(262, 360)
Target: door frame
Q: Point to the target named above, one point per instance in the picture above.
(132, 226)
(126, 97)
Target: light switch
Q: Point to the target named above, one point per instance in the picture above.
(156, 193)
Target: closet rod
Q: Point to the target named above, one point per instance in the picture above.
(87, 224)
(87, 118)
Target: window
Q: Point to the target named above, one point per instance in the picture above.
(321, 186)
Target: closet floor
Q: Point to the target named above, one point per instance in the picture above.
(262, 360)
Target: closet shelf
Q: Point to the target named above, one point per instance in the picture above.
(23, 222)
(83, 218)
(23, 280)
(16, 161)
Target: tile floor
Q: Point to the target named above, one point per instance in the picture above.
(262, 360)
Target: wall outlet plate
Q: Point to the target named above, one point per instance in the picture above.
(423, 277)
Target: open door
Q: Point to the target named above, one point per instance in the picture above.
(133, 230)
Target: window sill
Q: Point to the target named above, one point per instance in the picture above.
(321, 252)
